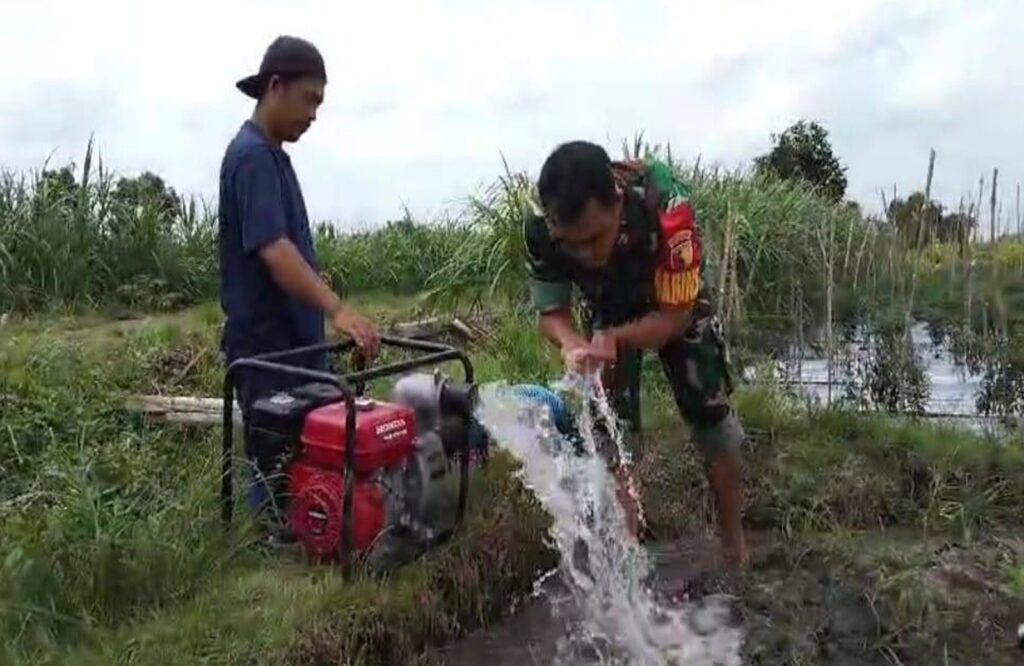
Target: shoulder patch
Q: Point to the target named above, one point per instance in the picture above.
(682, 249)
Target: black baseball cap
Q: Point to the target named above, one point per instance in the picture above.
(285, 55)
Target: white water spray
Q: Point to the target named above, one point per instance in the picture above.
(604, 566)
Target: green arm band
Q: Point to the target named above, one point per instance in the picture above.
(550, 296)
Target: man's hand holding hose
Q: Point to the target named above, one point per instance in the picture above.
(599, 355)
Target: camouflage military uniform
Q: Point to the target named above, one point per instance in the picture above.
(657, 261)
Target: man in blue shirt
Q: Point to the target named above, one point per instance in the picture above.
(271, 292)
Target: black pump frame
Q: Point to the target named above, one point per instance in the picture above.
(351, 386)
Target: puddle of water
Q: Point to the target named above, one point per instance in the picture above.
(953, 389)
(615, 617)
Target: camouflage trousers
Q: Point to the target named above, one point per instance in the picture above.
(696, 365)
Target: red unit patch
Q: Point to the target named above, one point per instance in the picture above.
(384, 436)
(681, 246)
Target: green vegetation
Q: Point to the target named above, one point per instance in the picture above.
(112, 551)
(781, 256)
(100, 241)
(803, 152)
(110, 547)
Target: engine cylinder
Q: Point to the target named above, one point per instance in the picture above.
(315, 511)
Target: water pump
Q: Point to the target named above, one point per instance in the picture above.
(381, 479)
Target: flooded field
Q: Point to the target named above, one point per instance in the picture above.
(935, 376)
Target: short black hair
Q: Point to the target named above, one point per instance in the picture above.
(573, 174)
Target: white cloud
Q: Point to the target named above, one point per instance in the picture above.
(424, 97)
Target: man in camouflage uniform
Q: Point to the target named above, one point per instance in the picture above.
(624, 234)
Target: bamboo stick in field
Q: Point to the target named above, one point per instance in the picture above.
(187, 410)
(996, 295)
(981, 194)
(873, 273)
(959, 248)
(869, 231)
(826, 255)
(798, 304)
(192, 418)
(831, 339)
(722, 305)
(1020, 234)
(969, 259)
(735, 313)
(846, 256)
(968, 278)
(892, 228)
(992, 205)
(892, 271)
(1019, 237)
(920, 238)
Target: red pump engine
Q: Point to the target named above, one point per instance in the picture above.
(407, 457)
(384, 438)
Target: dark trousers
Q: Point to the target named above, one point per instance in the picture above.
(696, 365)
(250, 386)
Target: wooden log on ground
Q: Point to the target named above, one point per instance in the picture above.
(166, 403)
(192, 418)
(465, 329)
(434, 327)
(422, 328)
(193, 410)
(188, 410)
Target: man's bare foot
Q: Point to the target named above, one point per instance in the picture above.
(726, 483)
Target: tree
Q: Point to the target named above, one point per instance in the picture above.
(911, 214)
(803, 152)
(147, 188)
(956, 227)
(58, 185)
(920, 222)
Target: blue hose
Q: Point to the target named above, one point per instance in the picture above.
(544, 396)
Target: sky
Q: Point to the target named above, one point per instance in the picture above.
(427, 99)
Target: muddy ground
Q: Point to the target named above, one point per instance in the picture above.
(868, 598)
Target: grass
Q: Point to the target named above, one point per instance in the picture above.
(819, 470)
(112, 549)
(79, 237)
(91, 240)
(109, 543)
(891, 541)
(278, 611)
(112, 552)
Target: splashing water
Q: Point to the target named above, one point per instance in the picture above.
(603, 565)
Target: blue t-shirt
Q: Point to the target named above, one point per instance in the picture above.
(260, 201)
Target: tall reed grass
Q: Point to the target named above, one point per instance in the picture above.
(774, 228)
(778, 255)
(76, 242)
